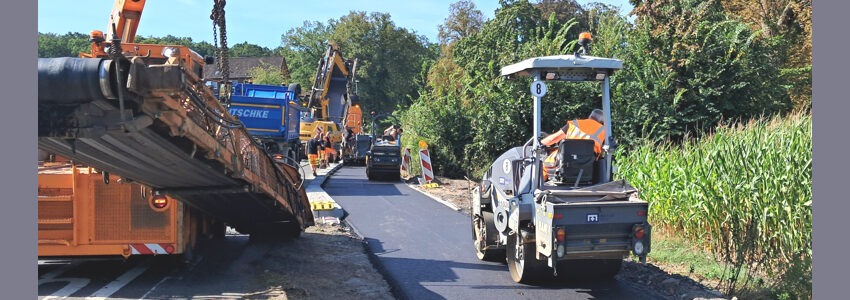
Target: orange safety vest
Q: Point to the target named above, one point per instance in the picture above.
(577, 129)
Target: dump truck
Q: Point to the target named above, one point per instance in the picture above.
(271, 114)
(580, 222)
(143, 112)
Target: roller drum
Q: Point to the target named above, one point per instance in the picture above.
(70, 80)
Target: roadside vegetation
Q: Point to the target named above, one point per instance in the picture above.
(743, 194)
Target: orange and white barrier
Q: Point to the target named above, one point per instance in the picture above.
(405, 162)
(151, 249)
(425, 163)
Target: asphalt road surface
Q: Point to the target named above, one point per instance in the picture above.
(425, 248)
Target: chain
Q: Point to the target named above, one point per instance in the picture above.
(222, 62)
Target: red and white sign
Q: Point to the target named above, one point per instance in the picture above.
(151, 249)
(405, 161)
(425, 162)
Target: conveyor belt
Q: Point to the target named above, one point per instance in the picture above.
(171, 137)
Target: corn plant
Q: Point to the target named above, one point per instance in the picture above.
(744, 192)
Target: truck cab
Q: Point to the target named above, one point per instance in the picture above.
(271, 114)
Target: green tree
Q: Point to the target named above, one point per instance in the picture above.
(390, 58)
(463, 20)
(66, 45)
(689, 66)
(303, 47)
(246, 49)
(267, 74)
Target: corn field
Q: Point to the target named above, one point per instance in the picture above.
(744, 192)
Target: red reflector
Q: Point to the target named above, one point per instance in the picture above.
(558, 216)
(169, 249)
(160, 202)
(561, 235)
(641, 213)
(639, 233)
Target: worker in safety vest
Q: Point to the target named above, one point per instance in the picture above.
(588, 129)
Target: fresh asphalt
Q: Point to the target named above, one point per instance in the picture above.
(425, 249)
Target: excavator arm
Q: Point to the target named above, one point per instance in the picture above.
(125, 18)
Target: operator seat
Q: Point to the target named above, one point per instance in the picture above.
(576, 163)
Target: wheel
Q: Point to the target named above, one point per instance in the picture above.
(484, 231)
(522, 264)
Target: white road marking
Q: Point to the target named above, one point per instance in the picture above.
(119, 282)
(74, 285)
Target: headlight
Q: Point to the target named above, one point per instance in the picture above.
(170, 52)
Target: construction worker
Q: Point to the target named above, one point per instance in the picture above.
(312, 150)
(588, 129)
(330, 152)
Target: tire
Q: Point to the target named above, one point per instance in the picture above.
(483, 233)
(522, 264)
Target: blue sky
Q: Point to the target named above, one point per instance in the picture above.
(260, 22)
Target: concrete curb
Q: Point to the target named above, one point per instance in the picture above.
(316, 194)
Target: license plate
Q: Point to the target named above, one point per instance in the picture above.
(592, 218)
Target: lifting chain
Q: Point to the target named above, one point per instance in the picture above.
(217, 16)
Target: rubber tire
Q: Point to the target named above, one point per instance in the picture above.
(524, 268)
(494, 255)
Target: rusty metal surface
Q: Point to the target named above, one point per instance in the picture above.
(192, 145)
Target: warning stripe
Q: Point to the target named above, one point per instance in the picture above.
(148, 249)
(425, 162)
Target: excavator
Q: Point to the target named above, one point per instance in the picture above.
(139, 118)
(331, 98)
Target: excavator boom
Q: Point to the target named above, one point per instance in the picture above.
(125, 18)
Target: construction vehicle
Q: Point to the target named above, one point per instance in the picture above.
(330, 97)
(83, 213)
(143, 113)
(384, 156)
(272, 116)
(578, 223)
(355, 143)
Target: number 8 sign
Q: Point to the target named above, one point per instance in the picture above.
(538, 88)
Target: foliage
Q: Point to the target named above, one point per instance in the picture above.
(463, 20)
(744, 192)
(390, 58)
(267, 74)
(66, 45)
(687, 67)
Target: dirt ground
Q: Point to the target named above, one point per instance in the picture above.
(326, 262)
